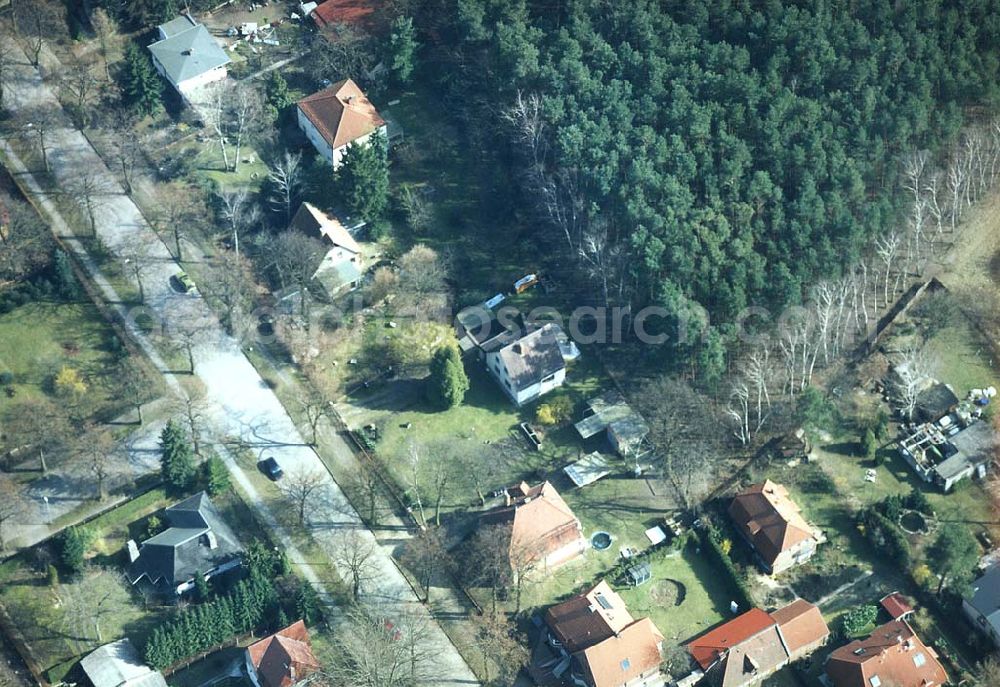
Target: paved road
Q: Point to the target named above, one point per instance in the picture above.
(239, 403)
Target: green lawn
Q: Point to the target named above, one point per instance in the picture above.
(961, 358)
(39, 338)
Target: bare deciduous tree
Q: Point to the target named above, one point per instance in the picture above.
(302, 486)
(106, 30)
(90, 189)
(247, 116)
(286, 176)
(238, 211)
(354, 555)
(12, 507)
(382, 648)
(887, 249)
(426, 555)
(503, 649)
(910, 374)
(231, 285)
(80, 84)
(97, 447)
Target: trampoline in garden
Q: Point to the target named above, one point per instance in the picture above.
(600, 541)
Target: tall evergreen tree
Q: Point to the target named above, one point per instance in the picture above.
(447, 382)
(402, 49)
(141, 85)
(362, 180)
(177, 464)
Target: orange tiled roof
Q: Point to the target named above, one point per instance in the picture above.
(893, 654)
(285, 657)
(770, 519)
(341, 113)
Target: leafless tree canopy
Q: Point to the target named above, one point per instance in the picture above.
(383, 649)
(302, 487)
(12, 507)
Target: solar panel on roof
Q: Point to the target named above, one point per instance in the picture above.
(603, 603)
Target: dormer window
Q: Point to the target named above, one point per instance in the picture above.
(875, 681)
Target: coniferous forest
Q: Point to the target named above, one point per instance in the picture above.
(723, 152)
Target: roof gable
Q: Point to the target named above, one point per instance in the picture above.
(539, 519)
(341, 113)
(710, 647)
(285, 657)
(624, 656)
(313, 221)
(893, 653)
(770, 519)
(532, 357)
(588, 618)
(801, 624)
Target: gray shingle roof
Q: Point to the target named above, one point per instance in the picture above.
(986, 598)
(188, 53)
(533, 357)
(173, 556)
(117, 664)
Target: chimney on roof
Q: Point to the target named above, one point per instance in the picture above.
(211, 540)
(517, 348)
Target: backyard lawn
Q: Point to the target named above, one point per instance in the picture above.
(39, 338)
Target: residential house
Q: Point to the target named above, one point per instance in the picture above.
(542, 528)
(983, 606)
(951, 449)
(341, 267)
(118, 665)
(528, 365)
(338, 116)
(610, 413)
(756, 644)
(892, 656)
(282, 659)
(773, 525)
(187, 56)
(591, 640)
(196, 541)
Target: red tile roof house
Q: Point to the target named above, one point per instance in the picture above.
(892, 656)
(756, 644)
(594, 641)
(543, 529)
(772, 524)
(283, 659)
(336, 117)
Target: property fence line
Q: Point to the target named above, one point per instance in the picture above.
(9, 630)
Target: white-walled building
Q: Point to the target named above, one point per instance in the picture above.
(187, 56)
(341, 267)
(528, 366)
(336, 117)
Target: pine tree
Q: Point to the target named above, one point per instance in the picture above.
(362, 179)
(155, 651)
(402, 49)
(73, 545)
(67, 285)
(447, 382)
(215, 476)
(140, 83)
(201, 587)
(307, 603)
(177, 462)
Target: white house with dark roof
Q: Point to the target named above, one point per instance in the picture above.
(529, 365)
(983, 606)
(187, 56)
(196, 541)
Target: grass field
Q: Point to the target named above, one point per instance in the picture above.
(39, 338)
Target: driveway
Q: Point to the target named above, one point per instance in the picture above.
(238, 402)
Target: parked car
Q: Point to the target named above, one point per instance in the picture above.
(185, 282)
(269, 466)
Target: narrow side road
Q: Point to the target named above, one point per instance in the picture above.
(239, 403)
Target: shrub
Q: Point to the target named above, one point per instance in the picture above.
(918, 501)
(869, 444)
(53, 575)
(6, 378)
(555, 412)
(884, 535)
(153, 526)
(73, 544)
(215, 476)
(69, 382)
(712, 541)
(447, 383)
(857, 619)
(923, 576)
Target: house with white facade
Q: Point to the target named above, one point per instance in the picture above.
(982, 607)
(528, 365)
(187, 56)
(341, 267)
(337, 117)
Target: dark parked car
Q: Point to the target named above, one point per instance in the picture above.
(270, 467)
